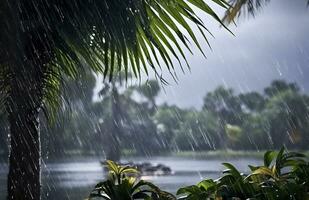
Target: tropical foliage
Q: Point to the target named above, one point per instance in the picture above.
(284, 175)
(122, 184)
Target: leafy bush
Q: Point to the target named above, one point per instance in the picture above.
(284, 176)
(122, 184)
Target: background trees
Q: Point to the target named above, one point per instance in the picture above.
(258, 121)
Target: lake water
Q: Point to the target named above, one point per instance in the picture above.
(73, 179)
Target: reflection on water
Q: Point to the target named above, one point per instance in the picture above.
(75, 179)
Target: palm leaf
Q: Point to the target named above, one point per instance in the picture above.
(269, 156)
(107, 36)
(242, 7)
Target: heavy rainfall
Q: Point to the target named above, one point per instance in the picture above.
(154, 99)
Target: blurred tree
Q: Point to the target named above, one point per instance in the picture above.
(225, 104)
(168, 120)
(118, 116)
(73, 123)
(233, 132)
(287, 113)
(279, 118)
(150, 90)
(198, 131)
(253, 101)
(80, 91)
(226, 107)
(144, 133)
(278, 86)
(256, 133)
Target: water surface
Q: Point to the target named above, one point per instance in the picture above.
(73, 179)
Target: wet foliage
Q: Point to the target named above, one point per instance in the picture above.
(61, 38)
(123, 184)
(284, 175)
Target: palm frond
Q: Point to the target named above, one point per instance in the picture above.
(242, 7)
(126, 34)
(108, 36)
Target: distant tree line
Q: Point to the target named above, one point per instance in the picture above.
(248, 121)
(127, 118)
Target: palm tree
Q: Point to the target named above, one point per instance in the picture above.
(150, 90)
(118, 114)
(43, 41)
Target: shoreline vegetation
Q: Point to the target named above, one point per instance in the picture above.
(127, 154)
(224, 154)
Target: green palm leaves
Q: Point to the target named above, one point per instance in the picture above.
(122, 184)
(285, 175)
(106, 35)
(110, 33)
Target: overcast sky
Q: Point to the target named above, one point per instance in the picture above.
(273, 45)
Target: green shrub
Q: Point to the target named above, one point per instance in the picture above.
(284, 176)
(122, 184)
